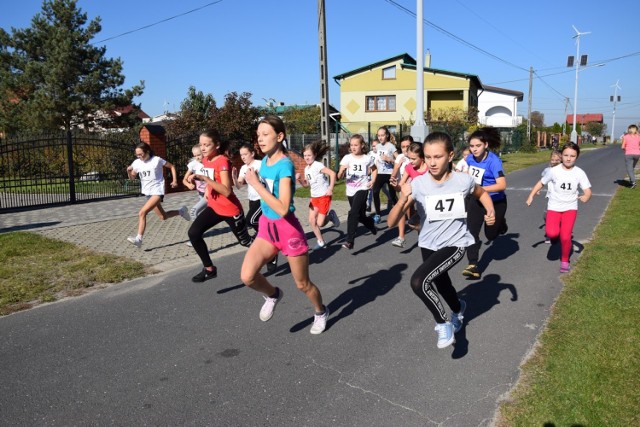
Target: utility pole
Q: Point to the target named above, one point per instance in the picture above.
(566, 107)
(419, 130)
(530, 95)
(615, 99)
(579, 61)
(324, 81)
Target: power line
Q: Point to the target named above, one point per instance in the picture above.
(159, 22)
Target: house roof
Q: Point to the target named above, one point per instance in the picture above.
(585, 118)
(494, 89)
(410, 63)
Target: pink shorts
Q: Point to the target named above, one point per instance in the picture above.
(322, 203)
(286, 234)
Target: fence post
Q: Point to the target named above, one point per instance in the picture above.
(336, 165)
(72, 182)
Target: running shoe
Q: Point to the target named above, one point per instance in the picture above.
(376, 219)
(273, 264)
(266, 312)
(333, 217)
(347, 245)
(184, 213)
(399, 242)
(135, 241)
(633, 185)
(320, 322)
(564, 266)
(445, 334)
(193, 214)
(205, 275)
(456, 318)
(471, 271)
(318, 246)
(547, 240)
(189, 243)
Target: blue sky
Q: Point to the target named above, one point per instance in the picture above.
(269, 47)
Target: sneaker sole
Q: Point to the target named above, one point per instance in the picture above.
(448, 343)
(471, 275)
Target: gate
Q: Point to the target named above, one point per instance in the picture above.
(64, 168)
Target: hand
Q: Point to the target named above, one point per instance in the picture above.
(174, 184)
(406, 190)
(583, 199)
(529, 200)
(490, 218)
(252, 177)
(234, 173)
(329, 192)
(190, 186)
(393, 181)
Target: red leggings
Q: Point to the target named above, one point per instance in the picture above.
(560, 224)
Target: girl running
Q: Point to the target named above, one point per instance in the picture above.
(150, 168)
(315, 176)
(631, 147)
(439, 197)
(462, 165)
(486, 169)
(356, 166)
(248, 156)
(279, 228)
(415, 167)
(554, 160)
(195, 165)
(222, 203)
(386, 154)
(562, 207)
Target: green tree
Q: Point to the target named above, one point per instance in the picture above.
(195, 113)
(595, 128)
(56, 77)
(537, 119)
(301, 120)
(454, 120)
(237, 119)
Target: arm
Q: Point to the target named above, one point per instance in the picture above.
(394, 180)
(131, 173)
(238, 181)
(302, 180)
(402, 206)
(174, 174)
(500, 185)
(185, 181)
(279, 205)
(484, 198)
(341, 171)
(536, 189)
(223, 187)
(332, 179)
(586, 196)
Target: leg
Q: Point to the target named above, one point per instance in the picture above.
(238, 225)
(359, 206)
(198, 207)
(256, 257)
(314, 219)
(377, 186)
(552, 225)
(150, 205)
(352, 219)
(300, 272)
(475, 219)
(492, 231)
(566, 229)
(255, 211)
(630, 163)
(207, 219)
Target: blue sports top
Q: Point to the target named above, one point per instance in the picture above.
(485, 172)
(283, 168)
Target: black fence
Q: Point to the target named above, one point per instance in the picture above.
(64, 168)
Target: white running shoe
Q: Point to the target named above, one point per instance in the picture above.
(445, 334)
(320, 322)
(319, 245)
(266, 312)
(135, 241)
(184, 213)
(399, 242)
(456, 318)
(333, 217)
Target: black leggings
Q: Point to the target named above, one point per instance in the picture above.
(382, 179)
(253, 216)
(435, 270)
(207, 219)
(357, 213)
(475, 219)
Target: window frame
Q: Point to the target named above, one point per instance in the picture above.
(393, 67)
(375, 99)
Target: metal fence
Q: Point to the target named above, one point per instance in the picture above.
(64, 168)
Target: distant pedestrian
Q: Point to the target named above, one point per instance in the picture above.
(385, 190)
(248, 156)
(486, 169)
(631, 147)
(415, 167)
(279, 228)
(439, 197)
(150, 169)
(386, 154)
(562, 207)
(194, 166)
(222, 203)
(321, 180)
(356, 168)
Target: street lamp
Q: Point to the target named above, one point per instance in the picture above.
(570, 62)
(615, 99)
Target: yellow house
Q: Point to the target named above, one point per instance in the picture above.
(384, 93)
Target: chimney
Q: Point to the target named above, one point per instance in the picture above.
(427, 59)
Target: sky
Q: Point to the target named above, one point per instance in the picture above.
(269, 48)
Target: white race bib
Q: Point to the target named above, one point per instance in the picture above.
(209, 173)
(445, 206)
(477, 174)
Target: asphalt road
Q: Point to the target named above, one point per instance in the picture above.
(164, 351)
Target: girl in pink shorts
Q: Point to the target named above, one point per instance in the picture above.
(279, 230)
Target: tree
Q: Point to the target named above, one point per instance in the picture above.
(595, 128)
(302, 120)
(237, 119)
(537, 119)
(55, 76)
(454, 121)
(195, 113)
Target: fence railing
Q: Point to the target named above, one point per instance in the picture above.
(64, 168)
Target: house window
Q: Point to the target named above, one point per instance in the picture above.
(381, 103)
(389, 73)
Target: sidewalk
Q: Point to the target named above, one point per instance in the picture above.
(104, 226)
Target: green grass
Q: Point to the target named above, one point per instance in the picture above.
(586, 369)
(35, 269)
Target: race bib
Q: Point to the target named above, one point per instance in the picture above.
(477, 174)
(445, 206)
(357, 170)
(148, 175)
(208, 172)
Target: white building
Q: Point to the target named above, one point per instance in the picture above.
(499, 107)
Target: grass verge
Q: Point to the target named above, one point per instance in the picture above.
(585, 370)
(35, 269)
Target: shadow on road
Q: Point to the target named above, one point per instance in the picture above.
(501, 248)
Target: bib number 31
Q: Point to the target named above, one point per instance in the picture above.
(445, 206)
